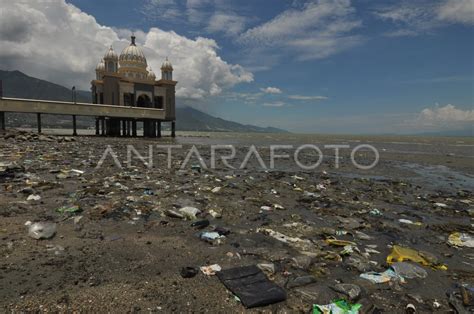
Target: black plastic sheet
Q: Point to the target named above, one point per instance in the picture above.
(251, 285)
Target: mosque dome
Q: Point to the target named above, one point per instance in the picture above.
(100, 66)
(111, 55)
(133, 56)
(166, 66)
(151, 75)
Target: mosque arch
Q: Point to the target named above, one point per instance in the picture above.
(144, 101)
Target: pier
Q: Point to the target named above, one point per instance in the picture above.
(110, 119)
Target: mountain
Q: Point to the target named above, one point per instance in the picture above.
(19, 85)
(190, 119)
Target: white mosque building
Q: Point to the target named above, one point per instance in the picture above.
(127, 80)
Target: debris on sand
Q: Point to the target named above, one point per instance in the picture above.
(251, 286)
(41, 230)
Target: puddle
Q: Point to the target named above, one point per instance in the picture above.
(439, 176)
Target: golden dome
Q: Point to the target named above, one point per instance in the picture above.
(151, 75)
(132, 56)
(100, 66)
(110, 55)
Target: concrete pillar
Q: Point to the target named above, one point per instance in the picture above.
(173, 129)
(158, 128)
(74, 126)
(102, 122)
(2, 121)
(97, 131)
(134, 128)
(107, 127)
(38, 122)
(124, 127)
(149, 128)
(145, 127)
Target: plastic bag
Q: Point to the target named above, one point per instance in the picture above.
(384, 277)
(42, 230)
(337, 307)
(189, 212)
(408, 270)
(251, 286)
(401, 254)
(461, 239)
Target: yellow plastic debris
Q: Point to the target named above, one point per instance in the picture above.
(461, 239)
(401, 254)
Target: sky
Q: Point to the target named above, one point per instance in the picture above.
(315, 66)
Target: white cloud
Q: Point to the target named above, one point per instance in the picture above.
(212, 16)
(247, 98)
(271, 90)
(302, 97)
(274, 104)
(229, 24)
(195, 12)
(447, 116)
(56, 41)
(317, 30)
(52, 40)
(198, 68)
(460, 11)
(412, 18)
(168, 10)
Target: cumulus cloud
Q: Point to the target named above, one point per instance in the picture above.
(412, 18)
(198, 68)
(56, 41)
(447, 116)
(316, 30)
(302, 97)
(271, 90)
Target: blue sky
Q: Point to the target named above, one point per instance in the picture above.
(316, 66)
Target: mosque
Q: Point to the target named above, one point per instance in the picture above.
(127, 80)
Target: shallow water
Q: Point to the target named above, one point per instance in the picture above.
(439, 176)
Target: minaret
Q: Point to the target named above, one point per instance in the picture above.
(100, 69)
(111, 61)
(167, 70)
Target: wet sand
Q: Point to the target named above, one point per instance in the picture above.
(122, 252)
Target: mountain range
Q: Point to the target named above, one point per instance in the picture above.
(17, 84)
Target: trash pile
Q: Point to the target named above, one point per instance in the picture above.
(320, 241)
